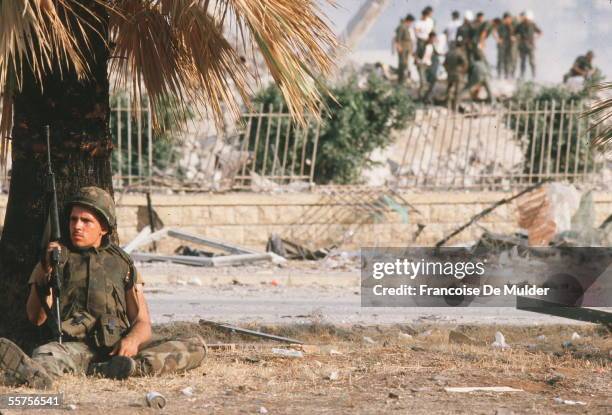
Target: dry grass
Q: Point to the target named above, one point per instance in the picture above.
(405, 375)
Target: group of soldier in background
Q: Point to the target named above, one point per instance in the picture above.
(460, 49)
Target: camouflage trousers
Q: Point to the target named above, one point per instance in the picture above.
(158, 357)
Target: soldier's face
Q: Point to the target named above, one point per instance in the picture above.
(86, 231)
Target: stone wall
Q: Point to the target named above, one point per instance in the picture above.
(249, 218)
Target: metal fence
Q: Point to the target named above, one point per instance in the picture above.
(482, 148)
(501, 147)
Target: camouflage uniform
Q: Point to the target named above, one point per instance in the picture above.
(479, 77)
(456, 65)
(93, 307)
(404, 42)
(508, 49)
(582, 62)
(526, 32)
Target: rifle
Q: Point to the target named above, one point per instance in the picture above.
(55, 236)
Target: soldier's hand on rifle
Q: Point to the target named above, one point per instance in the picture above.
(125, 347)
(52, 246)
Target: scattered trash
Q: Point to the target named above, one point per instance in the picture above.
(156, 400)
(404, 336)
(482, 389)
(393, 395)
(500, 341)
(292, 250)
(274, 283)
(333, 376)
(426, 333)
(567, 344)
(575, 336)
(417, 348)
(263, 410)
(368, 340)
(541, 338)
(568, 401)
(71, 407)
(188, 391)
(457, 337)
(334, 352)
(234, 329)
(423, 389)
(288, 353)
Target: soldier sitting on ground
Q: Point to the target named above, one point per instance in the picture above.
(104, 315)
(583, 66)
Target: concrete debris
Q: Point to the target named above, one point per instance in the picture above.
(188, 391)
(500, 341)
(568, 401)
(457, 337)
(195, 281)
(334, 352)
(368, 340)
(393, 395)
(541, 338)
(155, 400)
(71, 407)
(576, 336)
(288, 353)
(263, 410)
(482, 389)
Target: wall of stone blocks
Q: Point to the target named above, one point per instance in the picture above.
(249, 218)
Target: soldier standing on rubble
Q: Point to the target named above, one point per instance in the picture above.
(429, 63)
(479, 77)
(527, 32)
(507, 45)
(456, 65)
(403, 46)
(104, 316)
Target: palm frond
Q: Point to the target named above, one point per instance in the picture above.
(601, 111)
(32, 33)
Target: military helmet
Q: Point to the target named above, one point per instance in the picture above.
(99, 200)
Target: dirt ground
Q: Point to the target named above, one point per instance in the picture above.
(373, 369)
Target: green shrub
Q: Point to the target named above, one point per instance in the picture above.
(357, 121)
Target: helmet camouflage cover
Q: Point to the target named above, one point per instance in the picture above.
(99, 200)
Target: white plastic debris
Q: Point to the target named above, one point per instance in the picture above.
(333, 376)
(195, 281)
(188, 391)
(500, 341)
(404, 336)
(541, 337)
(368, 340)
(287, 353)
(575, 336)
(155, 400)
(71, 407)
(335, 352)
(263, 410)
(569, 401)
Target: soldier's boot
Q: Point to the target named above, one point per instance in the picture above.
(118, 367)
(20, 368)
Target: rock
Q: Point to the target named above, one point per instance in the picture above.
(71, 407)
(393, 395)
(568, 401)
(423, 389)
(404, 336)
(426, 333)
(188, 391)
(456, 337)
(541, 338)
(334, 352)
(368, 340)
(504, 411)
(417, 348)
(575, 336)
(500, 341)
(332, 376)
(288, 353)
(263, 410)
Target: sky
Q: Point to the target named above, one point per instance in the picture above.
(570, 28)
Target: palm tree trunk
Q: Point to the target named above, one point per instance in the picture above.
(78, 113)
